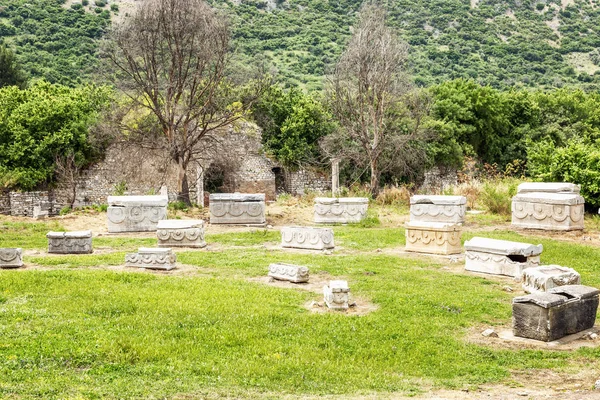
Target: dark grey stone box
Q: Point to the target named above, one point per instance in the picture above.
(561, 311)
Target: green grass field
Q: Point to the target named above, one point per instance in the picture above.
(71, 328)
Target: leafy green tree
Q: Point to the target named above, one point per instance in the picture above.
(10, 70)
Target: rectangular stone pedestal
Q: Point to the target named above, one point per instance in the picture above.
(433, 238)
(135, 213)
(289, 272)
(237, 208)
(11, 257)
(430, 208)
(336, 295)
(180, 233)
(77, 242)
(151, 258)
(561, 311)
(301, 237)
(546, 277)
(343, 210)
(500, 257)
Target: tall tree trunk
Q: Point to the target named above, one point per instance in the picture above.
(374, 178)
(183, 189)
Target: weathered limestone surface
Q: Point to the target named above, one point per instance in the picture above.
(180, 233)
(546, 277)
(433, 237)
(289, 272)
(342, 210)
(151, 258)
(336, 294)
(548, 206)
(426, 208)
(77, 242)
(500, 257)
(237, 208)
(561, 311)
(302, 237)
(135, 213)
(11, 257)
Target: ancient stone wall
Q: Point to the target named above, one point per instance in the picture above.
(22, 203)
(301, 181)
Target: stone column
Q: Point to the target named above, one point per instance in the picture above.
(200, 185)
(335, 176)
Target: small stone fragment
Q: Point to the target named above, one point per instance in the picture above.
(597, 385)
(327, 252)
(489, 333)
(507, 289)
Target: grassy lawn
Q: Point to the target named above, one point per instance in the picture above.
(76, 332)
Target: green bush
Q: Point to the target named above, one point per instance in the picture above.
(100, 3)
(496, 196)
(114, 7)
(178, 206)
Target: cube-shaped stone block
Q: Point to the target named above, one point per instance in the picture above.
(151, 258)
(336, 295)
(430, 208)
(343, 210)
(433, 237)
(180, 233)
(500, 257)
(546, 277)
(289, 272)
(76, 242)
(11, 257)
(302, 237)
(237, 208)
(135, 213)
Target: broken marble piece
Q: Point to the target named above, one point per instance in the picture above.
(551, 315)
(500, 257)
(336, 294)
(289, 272)
(433, 208)
(151, 258)
(135, 213)
(237, 208)
(11, 257)
(180, 233)
(433, 237)
(303, 237)
(340, 210)
(75, 242)
(546, 277)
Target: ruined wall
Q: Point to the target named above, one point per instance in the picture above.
(304, 180)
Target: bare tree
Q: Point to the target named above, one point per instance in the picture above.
(68, 171)
(170, 59)
(369, 93)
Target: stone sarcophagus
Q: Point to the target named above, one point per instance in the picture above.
(289, 272)
(237, 208)
(500, 257)
(546, 277)
(343, 210)
(151, 258)
(548, 206)
(180, 233)
(302, 237)
(433, 237)
(561, 311)
(135, 213)
(77, 242)
(11, 257)
(426, 208)
(336, 295)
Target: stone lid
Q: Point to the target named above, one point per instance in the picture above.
(341, 200)
(11, 249)
(550, 269)
(154, 250)
(549, 198)
(339, 286)
(434, 226)
(542, 299)
(575, 291)
(138, 200)
(74, 235)
(236, 197)
(503, 247)
(438, 200)
(179, 223)
(548, 187)
(300, 268)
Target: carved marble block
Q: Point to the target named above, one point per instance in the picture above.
(426, 208)
(500, 257)
(433, 237)
(289, 272)
(11, 257)
(302, 237)
(546, 277)
(336, 295)
(551, 315)
(180, 233)
(548, 206)
(343, 210)
(77, 242)
(135, 213)
(237, 208)
(151, 258)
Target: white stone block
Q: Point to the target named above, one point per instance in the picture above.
(237, 208)
(500, 257)
(151, 258)
(342, 210)
(11, 257)
(302, 237)
(548, 211)
(433, 237)
(76, 242)
(289, 272)
(548, 187)
(135, 213)
(431, 208)
(180, 233)
(336, 294)
(546, 277)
